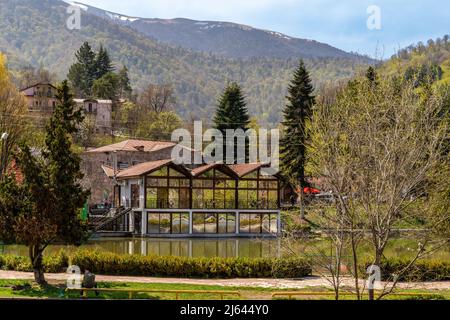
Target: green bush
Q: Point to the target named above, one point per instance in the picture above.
(170, 266)
(422, 270)
(52, 264)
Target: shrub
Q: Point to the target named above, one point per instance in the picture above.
(170, 266)
(422, 270)
(52, 264)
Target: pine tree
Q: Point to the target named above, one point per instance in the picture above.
(297, 113)
(45, 207)
(83, 72)
(371, 75)
(106, 87)
(125, 89)
(103, 64)
(232, 113)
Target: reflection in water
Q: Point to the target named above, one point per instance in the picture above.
(226, 248)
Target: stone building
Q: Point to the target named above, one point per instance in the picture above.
(101, 110)
(40, 97)
(99, 165)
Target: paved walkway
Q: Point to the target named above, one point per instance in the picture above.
(263, 283)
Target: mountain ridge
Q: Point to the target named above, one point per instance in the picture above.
(34, 33)
(229, 39)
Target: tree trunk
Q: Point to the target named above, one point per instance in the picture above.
(38, 266)
(302, 204)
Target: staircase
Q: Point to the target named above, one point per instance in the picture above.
(98, 223)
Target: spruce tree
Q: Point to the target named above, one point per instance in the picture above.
(232, 113)
(103, 64)
(83, 72)
(45, 206)
(125, 89)
(296, 113)
(371, 75)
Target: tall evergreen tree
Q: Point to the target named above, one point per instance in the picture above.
(125, 89)
(232, 113)
(371, 75)
(44, 207)
(103, 64)
(83, 72)
(106, 87)
(296, 115)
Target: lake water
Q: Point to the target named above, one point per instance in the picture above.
(252, 248)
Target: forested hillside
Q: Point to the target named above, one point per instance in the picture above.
(34, 33)
(422, 62)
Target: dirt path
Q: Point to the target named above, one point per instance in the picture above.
(263, 283)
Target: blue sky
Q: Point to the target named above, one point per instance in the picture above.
(341, 23)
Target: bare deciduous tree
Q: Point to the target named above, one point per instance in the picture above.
(13, 111)
(157, 98)
(380, 149)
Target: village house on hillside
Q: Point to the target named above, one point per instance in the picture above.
(41, 99)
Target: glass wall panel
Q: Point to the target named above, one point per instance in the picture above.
(164, 223)
(266, 223)
(244, 223)
(184, 199)
(255, 223)
(167, 223)
(151, 198)
(176, 223)
(231, 223)
(211, 223)
(162, 198)
(222, 223)
(184, 223)
(160, 173)
(197, 198)
(198, 223)
(174, 198)
(153, 223)
(274, 223)
(230, 196)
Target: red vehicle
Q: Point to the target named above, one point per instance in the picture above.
(310, 191)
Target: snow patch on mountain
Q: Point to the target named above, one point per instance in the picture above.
(120, 17)
(77, 4)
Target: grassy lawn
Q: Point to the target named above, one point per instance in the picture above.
(25, 289)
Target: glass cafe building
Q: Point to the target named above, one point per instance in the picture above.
(216, 200)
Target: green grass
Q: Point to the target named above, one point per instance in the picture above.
(28, 290)
(57, 291)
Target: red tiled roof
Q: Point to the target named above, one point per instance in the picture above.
(38, 84)
(199, 170)
(220, 166)
(245, 168)
(142, 168)
(135, 146)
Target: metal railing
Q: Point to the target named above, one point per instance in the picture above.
(290, 294)
(177, 293)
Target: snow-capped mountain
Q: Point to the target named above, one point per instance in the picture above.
(225, 38)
